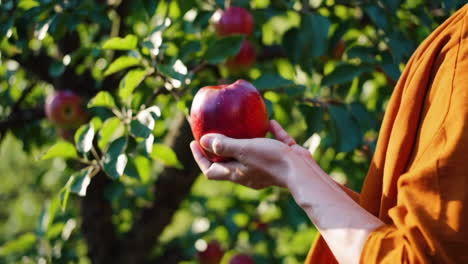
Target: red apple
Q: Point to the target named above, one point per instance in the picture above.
(65, 109)
(212, 254)
(242, 259)
(235, 20)
(260, 225)
(236, 110)
(244, 59)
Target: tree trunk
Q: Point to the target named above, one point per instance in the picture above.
(97, 226)
(171, 188)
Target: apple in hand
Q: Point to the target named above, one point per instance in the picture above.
(242, 259)
(212, 254)
(235, 20)
(236, 110)
(65, 109)
(244, 59)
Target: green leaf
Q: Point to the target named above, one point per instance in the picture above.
(115, 159)
(313, 117)
(81, 180)
(366, 54)
(128, 43)
(121, 63)
(19, 245)
(347, 132)
(223, 48)
(139, 168)
(315, 29)
(128, 84)
(143, 124)
(5, 27)
(400, 46)
(392, 4)
(84, 138)
(270, 81)
(107, 130)
(377, 15)
(364, 118)
(389, 67)
(344, 73)
(56, 68)
(65, 193)
(55, 230)
(293, 45)
(97, 123)
(62, 149)
(27, 4)
(169, 71)
(270, 108)
(166, 156)
(188, 49)
(102, 99)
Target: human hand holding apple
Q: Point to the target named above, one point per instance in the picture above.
(229, 123)
(236, 110)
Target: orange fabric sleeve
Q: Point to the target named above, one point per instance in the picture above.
(418, 180)
(424, 168)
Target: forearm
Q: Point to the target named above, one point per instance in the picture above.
(344, 225)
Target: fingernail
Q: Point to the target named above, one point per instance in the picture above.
(206, 141)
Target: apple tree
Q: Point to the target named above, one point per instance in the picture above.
(94, 119)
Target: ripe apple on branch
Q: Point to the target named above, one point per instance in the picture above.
(238, 21)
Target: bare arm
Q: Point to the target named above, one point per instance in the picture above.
(264, 162)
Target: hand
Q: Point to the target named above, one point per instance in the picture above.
(258, 162)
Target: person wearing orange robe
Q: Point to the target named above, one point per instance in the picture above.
(418, 181)
(413, 207)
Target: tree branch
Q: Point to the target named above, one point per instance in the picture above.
(23, 96)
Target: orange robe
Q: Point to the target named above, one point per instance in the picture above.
(418, 181)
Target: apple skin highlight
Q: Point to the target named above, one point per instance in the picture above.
(236, 110)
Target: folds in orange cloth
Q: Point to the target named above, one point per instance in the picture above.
(418, 181)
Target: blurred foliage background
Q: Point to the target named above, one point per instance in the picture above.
(326, 69)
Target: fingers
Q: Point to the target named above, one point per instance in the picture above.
(235, 172)
(224, 146)
(281, 134)
(201, 160)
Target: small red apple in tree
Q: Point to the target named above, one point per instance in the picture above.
(339, 49)
(212, 254)
(235, 20)
(65, 109)
(242, 259)
(236, 110)
(244, 59)
(260, 225)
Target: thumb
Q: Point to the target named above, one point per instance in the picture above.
(223, 146)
